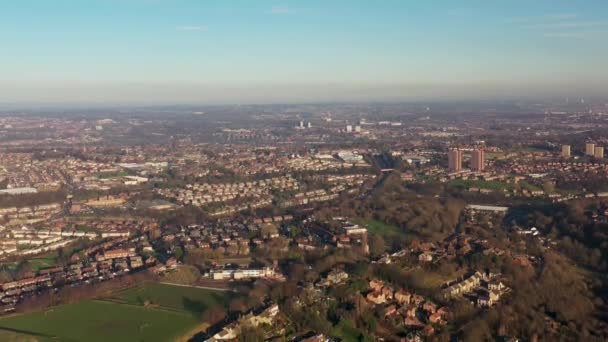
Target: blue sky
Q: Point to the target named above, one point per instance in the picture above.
(273, 51)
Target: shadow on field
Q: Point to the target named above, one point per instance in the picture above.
(197, 307)
(25, 332)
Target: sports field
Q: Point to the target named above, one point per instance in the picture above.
(381, 228)
(186, 299)
(152, 312)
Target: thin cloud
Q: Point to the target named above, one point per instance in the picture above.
(191, 28)
(564, 34)
(566, 24)
(546, 18)
(562, 16)
(576, 34)
(281, 10)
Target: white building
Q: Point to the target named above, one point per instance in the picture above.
(237, 274)
(18, 191)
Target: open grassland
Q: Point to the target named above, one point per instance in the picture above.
(102, 321)
(42, 263)
(151, 312)
(186, 299)
(381, 228)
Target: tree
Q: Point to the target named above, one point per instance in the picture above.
(548, 187)
(5, 276)
(214, 315)
(251, 334)
(377, 245)
(24, 270)
(62, 258)
(179, 253)
(238, 304)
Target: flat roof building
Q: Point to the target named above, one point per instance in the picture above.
(18, 191)
(481, 207)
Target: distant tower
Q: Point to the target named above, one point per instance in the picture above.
(349, 128)
(309, 125)
(301, 124)
(454, 160)
(598, 152)
(566, 151)
(590, 149)
(357, 129)
(478, 160)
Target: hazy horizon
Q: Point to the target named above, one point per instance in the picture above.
(130, 94)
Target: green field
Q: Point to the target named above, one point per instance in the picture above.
(37, 263)
(530, 187)
(102, 321)
(49, 259)
(152, 312)
(41, 263)
(186, 299)
(381, 228)
(105, 175)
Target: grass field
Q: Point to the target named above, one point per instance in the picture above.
(184, 274)
(152, 312)
(381, 228)
(528, 186)
(41, 263)
(186, 299)
(423, 279)
(102, 321)
(38, 263)
(49, 259)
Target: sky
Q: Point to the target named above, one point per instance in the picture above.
(258, 51)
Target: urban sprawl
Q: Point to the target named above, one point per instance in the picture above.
(382, 222)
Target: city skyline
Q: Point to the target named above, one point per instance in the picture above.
(165, 52)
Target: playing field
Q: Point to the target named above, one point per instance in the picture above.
(153, 312)
(187, 299)
(381, 228)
